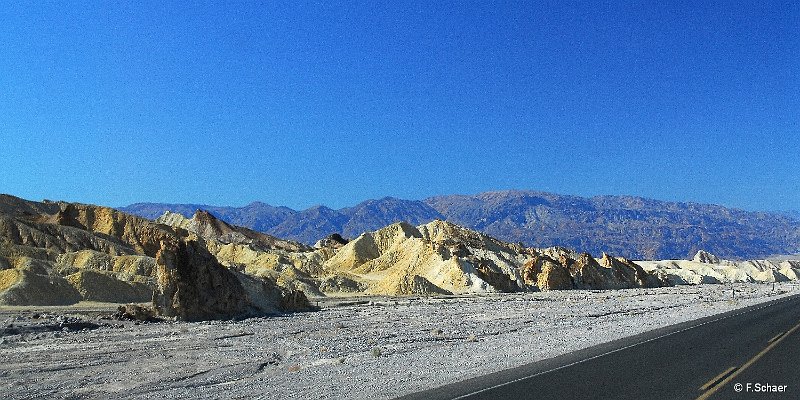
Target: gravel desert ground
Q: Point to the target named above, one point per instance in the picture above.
(362, 348)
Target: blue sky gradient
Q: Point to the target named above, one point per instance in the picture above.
(297, 104)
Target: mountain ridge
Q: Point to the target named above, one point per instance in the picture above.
(632, 226)
(205, 268)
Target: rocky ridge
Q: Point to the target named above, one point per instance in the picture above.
(708, 268)
(61, 253)
(204, 268)
(632, 227)
(441, 257)
(208, 226)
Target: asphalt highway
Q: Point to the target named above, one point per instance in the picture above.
(744, 354)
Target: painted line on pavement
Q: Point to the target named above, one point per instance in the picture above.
(776, 337)
(748, 363)
(717, 379)
(499, 385)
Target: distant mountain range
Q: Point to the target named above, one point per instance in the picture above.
(792, 214)
(633, 227)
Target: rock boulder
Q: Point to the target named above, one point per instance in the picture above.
(193, 285)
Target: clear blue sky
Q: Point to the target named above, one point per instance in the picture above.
(315, 103)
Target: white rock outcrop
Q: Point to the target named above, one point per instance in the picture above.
(708, 268)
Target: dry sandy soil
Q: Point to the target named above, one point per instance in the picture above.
(374, 348)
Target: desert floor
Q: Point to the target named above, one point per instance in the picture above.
(362, 348)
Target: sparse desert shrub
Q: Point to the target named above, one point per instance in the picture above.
(376, 351)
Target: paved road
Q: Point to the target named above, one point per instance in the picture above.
(701, 359)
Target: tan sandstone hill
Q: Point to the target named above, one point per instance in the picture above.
(402, 259)
(441, 257)
(193, 285)
(211, 228)
(42, 253)
(290, 264)
(62, 253)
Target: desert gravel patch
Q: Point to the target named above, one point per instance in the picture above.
(365, 348)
